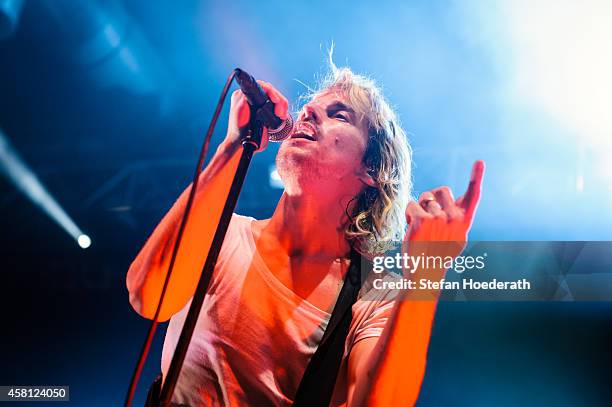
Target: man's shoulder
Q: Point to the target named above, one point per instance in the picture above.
(240, 223)
(376, 289)
(238, 239)
(236, 217)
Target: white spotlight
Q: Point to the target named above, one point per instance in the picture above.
(84, 241)
(274, 178)
(579, 183)
(561, 62)
(18, 172)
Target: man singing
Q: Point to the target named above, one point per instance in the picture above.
(347, 174)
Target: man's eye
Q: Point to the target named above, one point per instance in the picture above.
(341, 116)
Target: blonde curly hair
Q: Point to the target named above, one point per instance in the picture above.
(378, 216)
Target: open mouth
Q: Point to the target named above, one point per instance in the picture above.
(304, 136)
(304, 130)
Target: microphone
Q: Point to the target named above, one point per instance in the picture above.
(278, 130)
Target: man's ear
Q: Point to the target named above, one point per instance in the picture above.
(366, 177)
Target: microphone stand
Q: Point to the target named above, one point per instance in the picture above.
(251, 141)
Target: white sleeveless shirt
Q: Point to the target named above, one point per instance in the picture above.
(254, 336)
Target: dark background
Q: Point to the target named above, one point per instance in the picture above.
(107, 103)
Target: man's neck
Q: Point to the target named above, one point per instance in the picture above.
(310, 227)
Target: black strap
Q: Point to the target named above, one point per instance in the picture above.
(153, 393)
(317, 385)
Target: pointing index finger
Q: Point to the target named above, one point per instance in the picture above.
(472, 195)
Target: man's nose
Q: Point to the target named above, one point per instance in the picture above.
(311, 113)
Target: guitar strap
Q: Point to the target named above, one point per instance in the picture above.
(317, 385)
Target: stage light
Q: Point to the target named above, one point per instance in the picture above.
(579, 183)
(274, 178)
(9, 16)
(15, 169)
(84, 241)
(110, 45)
(562, 62)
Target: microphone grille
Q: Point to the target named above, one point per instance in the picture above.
(282, 132)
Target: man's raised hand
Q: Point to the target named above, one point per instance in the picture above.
(437, 216)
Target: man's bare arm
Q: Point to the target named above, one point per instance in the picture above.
(147, 273)
(389, 371)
